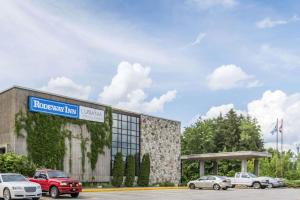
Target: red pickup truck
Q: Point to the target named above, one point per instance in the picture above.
(57, 183)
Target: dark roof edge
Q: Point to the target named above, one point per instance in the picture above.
(80, 100)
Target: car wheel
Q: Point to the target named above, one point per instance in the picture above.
(192, 186)
(54, 193)
(256, 185)
(233, 186)
(6, 194)
(216, 187)
(74, 195)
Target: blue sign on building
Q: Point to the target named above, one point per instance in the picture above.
(53, 107)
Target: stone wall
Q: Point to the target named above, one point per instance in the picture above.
(161, 139)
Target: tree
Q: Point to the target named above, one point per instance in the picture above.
(118, 170)
(250, 138)
(229, 132)
(143, 179)
(130, 171)
(199, 138)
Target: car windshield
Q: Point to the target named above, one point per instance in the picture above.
(13, 178)
(252, 175)
(57, 174)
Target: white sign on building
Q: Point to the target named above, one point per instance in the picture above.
(91, 114)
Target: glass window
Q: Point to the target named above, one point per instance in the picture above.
(114, 144)
(113, 151)
(124, 125)
(133, 152)
(133, 139)
(124, 144)
(124, 117)
(133, 126)
(115, 123)
(133, 133)
(115, 137)
(134, 146)
(125, 137)
(115, 116)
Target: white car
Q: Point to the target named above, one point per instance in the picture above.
(275, 182)
(16, 186)
(211, 182)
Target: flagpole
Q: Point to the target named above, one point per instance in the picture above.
(277, 153)
(277, 136)
(281, 131)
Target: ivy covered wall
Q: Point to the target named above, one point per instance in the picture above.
(46, 137)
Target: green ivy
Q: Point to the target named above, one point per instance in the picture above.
(100, 137)
(46, 136)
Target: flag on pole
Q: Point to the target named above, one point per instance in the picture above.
(275, 128)
(281, 126)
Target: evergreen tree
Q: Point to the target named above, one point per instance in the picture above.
(144, 175)
(130, 171)
(118, 170)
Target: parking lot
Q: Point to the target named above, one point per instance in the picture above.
(232, 194)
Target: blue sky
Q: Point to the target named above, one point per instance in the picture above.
(175, 59)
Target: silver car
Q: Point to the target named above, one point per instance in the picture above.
(211, 182)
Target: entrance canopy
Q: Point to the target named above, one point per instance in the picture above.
(238, 155)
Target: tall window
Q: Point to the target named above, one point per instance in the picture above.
(126, 137)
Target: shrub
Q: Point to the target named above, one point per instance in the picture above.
(166, 184)
(118, 170)
(13, 163)
(144, 174)
(130, 171)
(292, 183)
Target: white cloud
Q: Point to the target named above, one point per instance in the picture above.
(49, 40)
(279, 105)
(269, 23)
(126, 90)
(198, 40)
(271, 57)
(215, 112)
(230, 76)
(271, 106)
(206, 4)
(66, 87)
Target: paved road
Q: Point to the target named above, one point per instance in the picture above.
(232, 194)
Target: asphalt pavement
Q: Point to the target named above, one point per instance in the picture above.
(185, 194)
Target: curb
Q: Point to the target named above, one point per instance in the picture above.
(132, 189)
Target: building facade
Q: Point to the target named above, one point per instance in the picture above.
(132, 134)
